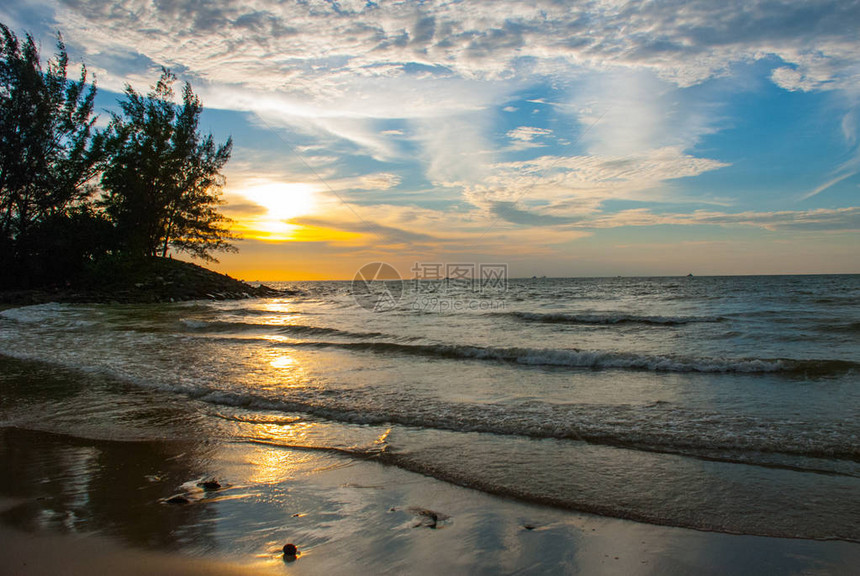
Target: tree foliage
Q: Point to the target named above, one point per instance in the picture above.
(163, 182)
(49, 149)
(71, 194)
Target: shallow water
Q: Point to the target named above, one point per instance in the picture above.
(724, 404)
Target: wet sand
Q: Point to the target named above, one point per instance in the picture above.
(78, 506)
(26, 553)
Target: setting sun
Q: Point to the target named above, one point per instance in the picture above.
(282, 201)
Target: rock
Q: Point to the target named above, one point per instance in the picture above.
(529, 526)
(178, 499)
(428, 518)
(147, 280)
(290, 551)
(209, 485)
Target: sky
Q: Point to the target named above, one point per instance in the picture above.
(595, 138)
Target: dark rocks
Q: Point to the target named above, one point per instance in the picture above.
(431, 519)
(178, 499)
(209, 485)
(428, 518)
(290, 551)
(142, 281)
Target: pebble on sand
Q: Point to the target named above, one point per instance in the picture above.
(290, 551)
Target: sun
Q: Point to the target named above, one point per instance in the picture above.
(283, 201)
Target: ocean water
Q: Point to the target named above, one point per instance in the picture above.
(727, 404)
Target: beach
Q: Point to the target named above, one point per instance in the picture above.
(82, 507)
(652, 426)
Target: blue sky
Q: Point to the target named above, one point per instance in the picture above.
(566, 139)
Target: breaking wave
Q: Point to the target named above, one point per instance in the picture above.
(572, 358)
(610, 318)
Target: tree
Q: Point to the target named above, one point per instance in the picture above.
(163, 179)
(49, 150)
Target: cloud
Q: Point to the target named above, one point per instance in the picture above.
(622, 112)
(572, 184)
(335, 69)
(830, 183)
(421, 84)
(456, 150)
(528, 133)
(509, 212)
(849, 126)
(375, 181)
(830, 220)
(387, 234)
(316, 48)
(793, 80)
(818, 220)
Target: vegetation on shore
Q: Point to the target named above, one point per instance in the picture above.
(145, 280)
(86, 210)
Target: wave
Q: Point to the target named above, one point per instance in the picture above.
(780, 442)
(847, 328)
(653, 428)
(671, 511)
(228, 327)
(596, 360)
(610, 318)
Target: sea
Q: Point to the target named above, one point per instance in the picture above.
(727, 404)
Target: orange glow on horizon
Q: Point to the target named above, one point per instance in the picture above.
(282, 202)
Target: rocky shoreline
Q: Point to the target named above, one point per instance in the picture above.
(152, 280)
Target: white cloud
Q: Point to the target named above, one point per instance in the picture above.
(849, 126)
(794, 79)
(375, 181)
(310, 62)
(311, 47)
(624, 113)
(571, 186)
(528, 133)
(456, 150)
(839, 219)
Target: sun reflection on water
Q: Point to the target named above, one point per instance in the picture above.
(279, 368)
(283, 361)
(274, 464)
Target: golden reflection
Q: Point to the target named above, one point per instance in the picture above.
(270, 465)
(288, 369)
(277, 463)
(278, 306)
(282, 362)
(279, 312)
(278, 367)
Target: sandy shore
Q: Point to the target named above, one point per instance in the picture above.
(80, 506)
(27, 553)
